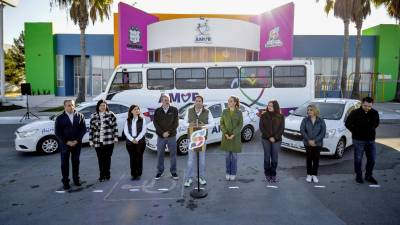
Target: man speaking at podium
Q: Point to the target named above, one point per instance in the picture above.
(197, 116)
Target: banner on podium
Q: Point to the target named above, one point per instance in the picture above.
(197, 138)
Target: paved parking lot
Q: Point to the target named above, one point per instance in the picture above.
(30, 189)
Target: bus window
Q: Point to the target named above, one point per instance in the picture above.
(223, 78)
(160, 79)
(125, 81)
(190, 78)
(255, 77)
(289, 76)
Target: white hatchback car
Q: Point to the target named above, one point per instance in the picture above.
(334, 111)
(39, 135)
(250, 126)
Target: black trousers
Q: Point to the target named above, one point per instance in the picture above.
(66, 153)
(312, 153)
(104, 153)
(136, 157)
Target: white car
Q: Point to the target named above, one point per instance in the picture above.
(39, 135)
(334, 111)
(250, 126)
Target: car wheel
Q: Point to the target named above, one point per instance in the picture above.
(182, 145)
(247, 133)
(48, 145)
(340, 147)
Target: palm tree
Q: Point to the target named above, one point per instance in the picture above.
(361, 9)
(80, 11)
(342, 9)
(392, 8)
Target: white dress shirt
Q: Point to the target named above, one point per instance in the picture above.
(210, 124)
(134, 134)
(71, 117)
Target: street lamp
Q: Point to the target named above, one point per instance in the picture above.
(3, 3)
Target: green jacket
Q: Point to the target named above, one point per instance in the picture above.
(231, 124)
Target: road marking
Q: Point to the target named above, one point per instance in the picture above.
(374, 185)
(200, 188)
(163, 189)
(60, 192)
(97, 191)
(234, 187)
(272, 186)
(320, 186)
(134, 189)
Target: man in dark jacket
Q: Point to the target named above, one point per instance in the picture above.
(166, 122)
(362, 123)
(69, 128)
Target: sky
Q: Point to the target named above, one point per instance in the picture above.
(309, 15)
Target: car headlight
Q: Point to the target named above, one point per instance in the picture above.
(330, 133)
(27, 133)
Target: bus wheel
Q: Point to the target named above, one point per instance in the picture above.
(247, 133)
(182, 145)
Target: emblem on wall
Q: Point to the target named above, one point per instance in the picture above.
(134, 38)
(203, 35)
(273, 39)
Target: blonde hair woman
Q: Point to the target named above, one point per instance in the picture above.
(313, 130)
(231, 125)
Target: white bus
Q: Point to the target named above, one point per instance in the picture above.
(255, 83)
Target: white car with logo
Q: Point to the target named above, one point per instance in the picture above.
(334, 111)
(39, 135)
(250, 126)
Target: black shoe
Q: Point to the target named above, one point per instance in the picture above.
(371, 179)
(66, 186)
(133, 177)
(158, 176)
(107, 178)
(78, 183)
(101, 179)
(174, 176)
(359, 180)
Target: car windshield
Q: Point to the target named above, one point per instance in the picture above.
(329, 111)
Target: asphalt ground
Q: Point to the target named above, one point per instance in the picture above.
(31, 191)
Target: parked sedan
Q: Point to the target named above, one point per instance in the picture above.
(334, 111)
(39, 135)
(250, 126)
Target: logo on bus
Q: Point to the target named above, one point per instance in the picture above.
(181, 97)
(202, 32)
(134, 38)
(273, 39)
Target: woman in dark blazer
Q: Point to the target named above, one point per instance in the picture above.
(135, 130)
(103, 134)
(272, 124)
(313, 130)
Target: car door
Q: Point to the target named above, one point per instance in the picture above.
(214, 133)
(87, 112)
(121, 113)
(347, 133)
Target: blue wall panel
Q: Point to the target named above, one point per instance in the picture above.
(96, 44)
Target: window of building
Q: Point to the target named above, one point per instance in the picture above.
(289, 76)
(219, 78)
(126, 80)
(60, 71)
(160, 79)
(255, 77)
(190, 78)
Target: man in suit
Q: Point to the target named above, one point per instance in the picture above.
(69, 128)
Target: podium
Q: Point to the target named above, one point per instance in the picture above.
(200, 136)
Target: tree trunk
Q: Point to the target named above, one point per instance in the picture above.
(343, 82)
(82, 73)
(357, 77)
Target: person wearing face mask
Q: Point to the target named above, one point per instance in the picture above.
(362, 123)
(103, 133)
(197, 115)
(231, 125)
(272, 124)
(313, 130)
(70, 128)
(135, 130)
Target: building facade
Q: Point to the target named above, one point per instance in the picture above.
(52, 60)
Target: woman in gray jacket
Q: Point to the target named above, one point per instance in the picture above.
(313, 130)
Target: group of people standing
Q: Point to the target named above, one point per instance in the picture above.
(103, 133)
